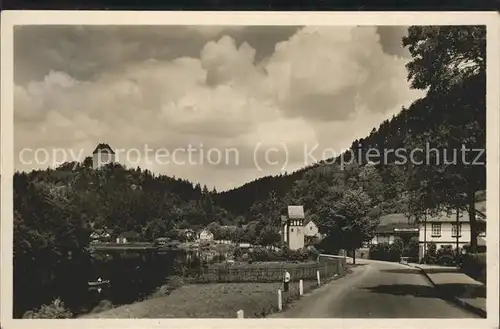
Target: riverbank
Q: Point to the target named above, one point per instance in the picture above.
(230, 291)
(212, 300)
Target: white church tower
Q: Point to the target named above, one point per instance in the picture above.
(102, 155)
(293, 227)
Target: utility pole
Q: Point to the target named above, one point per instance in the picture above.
(425, 232)
(458, 235)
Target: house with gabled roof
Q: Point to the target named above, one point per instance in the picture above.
(102, 155)
(311, 229)
(311, 232)
(206, 235)
(394, 226)
(100, 235)
(448, 229)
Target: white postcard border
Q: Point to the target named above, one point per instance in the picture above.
(11, 18)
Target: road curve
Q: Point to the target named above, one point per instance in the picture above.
(375, 290)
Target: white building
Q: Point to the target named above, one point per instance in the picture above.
(102, 155)
(311, 229)
(206, 235)
(100, 235)
(445, 230)
(292, 227)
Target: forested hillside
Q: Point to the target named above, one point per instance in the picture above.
(448, 62)
(451, 115)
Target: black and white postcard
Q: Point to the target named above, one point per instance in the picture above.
(338, 169)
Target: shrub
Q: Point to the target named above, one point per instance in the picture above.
(237, 253)
(55, 310)
(394, 252)
(103, 305)
(219, 258)
(446, 256)
(411, 250)
(304, 254)
(379, 251)
(474, 265)
(245, 257)
(313, 253)
(398, 241)
(430, 256)
(479, 250)
(260, 254)
(172, 283)
(300, 255)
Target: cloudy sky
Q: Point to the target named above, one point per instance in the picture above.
(244, 102)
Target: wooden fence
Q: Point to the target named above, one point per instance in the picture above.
(272, 272)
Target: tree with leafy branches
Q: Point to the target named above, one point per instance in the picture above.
(346, 223)
(450, 63)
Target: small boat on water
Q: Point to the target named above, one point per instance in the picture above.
(98, 283)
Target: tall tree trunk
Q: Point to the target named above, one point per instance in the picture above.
(354, 256)
(471, 196)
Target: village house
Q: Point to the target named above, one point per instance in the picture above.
(161, 241)
(128, 237)
(311, 233)
(186, 234)
(311, 229)
(102, 155)
(100, 235)
(206, 235)
(445, 229)
(392, 226)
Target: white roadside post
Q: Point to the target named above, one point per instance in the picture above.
(301, 287)
(317, 275)
(280, 302)
(240, 314)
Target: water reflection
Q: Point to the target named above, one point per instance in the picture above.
(132, 276)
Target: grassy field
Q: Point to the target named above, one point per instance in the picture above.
(214, 300)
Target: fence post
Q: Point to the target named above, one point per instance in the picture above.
(280, 302)
(240, 314)
(317, 276)
(301, 287)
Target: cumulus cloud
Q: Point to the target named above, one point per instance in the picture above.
(391, 40)
(320, 86)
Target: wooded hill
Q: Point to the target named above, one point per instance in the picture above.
(448, 62)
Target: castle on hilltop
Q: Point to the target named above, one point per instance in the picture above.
(102, 155)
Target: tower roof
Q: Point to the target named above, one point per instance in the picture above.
(296, 212)
(103, 147)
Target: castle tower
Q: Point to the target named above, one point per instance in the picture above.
(295, 227)
(102, 155)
